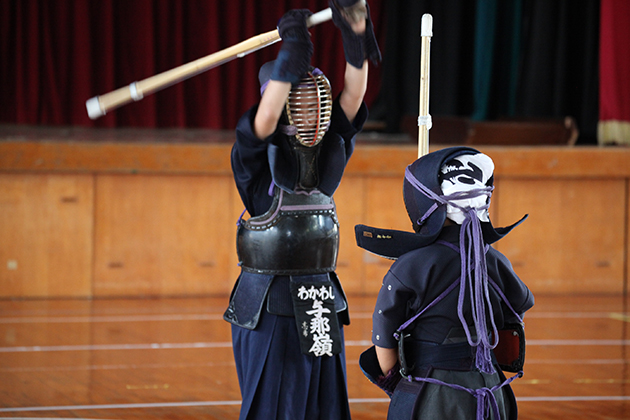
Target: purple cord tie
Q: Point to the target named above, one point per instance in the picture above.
(269, 192)
(240, 218)
(289, 130)
(477, 278)
(486, 400)
(474, 272)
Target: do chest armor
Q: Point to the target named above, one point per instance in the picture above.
(299, 234)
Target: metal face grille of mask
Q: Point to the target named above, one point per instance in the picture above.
(309, 107)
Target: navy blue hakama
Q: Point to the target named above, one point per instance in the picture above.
(279, 382)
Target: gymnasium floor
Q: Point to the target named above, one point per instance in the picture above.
(172, 359)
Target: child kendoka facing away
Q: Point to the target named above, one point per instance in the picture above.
(447, 285)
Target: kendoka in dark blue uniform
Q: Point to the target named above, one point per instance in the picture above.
(438, 314)
(287, 306)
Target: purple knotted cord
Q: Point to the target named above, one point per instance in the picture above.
(269, 192)
(474, 265)
(486, 400)
(240, 218)
(287, 129)
(474, 272)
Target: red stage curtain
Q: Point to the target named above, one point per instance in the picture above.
(57, 54)
(614, 78)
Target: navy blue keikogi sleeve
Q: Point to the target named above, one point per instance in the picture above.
(390, 311)
(250, 165)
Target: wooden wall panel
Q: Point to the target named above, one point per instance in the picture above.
(573, 240)
(350, 202)
(626, 274)
(237, 209)
(385, 209)
(162, 218)
(162, 235)
(46, 235)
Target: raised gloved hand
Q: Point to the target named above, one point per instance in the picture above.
(294, 57)
(356, 46)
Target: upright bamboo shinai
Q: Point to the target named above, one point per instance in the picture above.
(424, 118)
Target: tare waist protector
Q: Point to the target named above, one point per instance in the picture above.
(299, 234)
